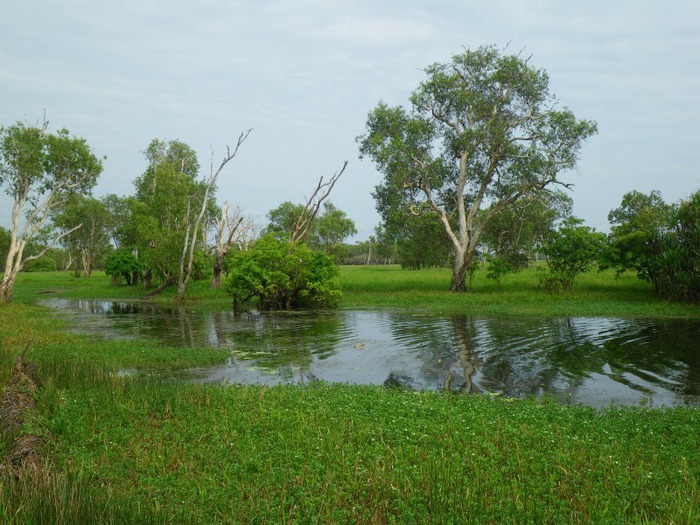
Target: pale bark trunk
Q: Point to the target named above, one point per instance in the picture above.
(6, 288)
(13, 264)
(459, 273)
(188, 249)
(218, 268)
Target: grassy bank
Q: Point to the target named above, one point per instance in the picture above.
(134, 450)
(595, 294)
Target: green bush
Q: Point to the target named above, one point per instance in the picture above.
(571, 251)
(123, 264)
(679, 260)
(280, 275)
(42, 264)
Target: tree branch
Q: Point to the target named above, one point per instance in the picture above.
(313, 205)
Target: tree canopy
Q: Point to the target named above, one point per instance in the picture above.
(165, 196)
(39, 170)
(482, 132)
(91, 239)
(327, 231)
(637, 230)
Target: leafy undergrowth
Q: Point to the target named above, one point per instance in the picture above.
(351, 454)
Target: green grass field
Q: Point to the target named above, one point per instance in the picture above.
(128, 449)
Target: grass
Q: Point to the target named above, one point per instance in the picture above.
(595, 294)
(134, 450)
(342, 454)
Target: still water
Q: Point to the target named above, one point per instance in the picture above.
(592, 360)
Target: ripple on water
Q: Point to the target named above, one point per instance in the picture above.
(592, 360)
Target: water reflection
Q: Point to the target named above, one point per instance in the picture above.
(596, 361)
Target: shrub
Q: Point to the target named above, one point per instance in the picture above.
(123, 264)
(571, 251)
(679, 260)
(280, 275)
(42, 264)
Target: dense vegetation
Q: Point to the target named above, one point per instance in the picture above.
(281, 275)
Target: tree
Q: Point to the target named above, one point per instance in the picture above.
(330, 230)
(39, 171)
(123, 263)
(326, 231)
(385, 246)
(170, 210)
(570, 251)
(232, 228)
(517, 233)
(187, 259)
(283, 218)
(160, 206)
(89, 241)
(282, 275)
(679, 260)
(483, 131)
(638, 228)
(420, 241)
(122, 229)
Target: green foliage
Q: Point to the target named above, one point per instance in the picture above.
(284, 217)
(163, 210)
(519, 230)
(123, 264)
(679, 260)
(661, 242)
(499, 267)
(420, 241)
(385, 245)
(572, 250)
(33, 160)
(327, 233)
(281, 275)
(42, 264)
(39, 170)
(636, 235)
(123, 224)
(481, 134)
(4, 243)
(91, 240)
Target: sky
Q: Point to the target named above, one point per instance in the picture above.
(304, 74)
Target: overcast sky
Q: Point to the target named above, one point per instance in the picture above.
(305, 74)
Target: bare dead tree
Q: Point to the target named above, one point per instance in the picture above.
(231, 228)
(313, 205)
(187, 257)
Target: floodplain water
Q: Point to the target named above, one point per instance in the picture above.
(596, 361)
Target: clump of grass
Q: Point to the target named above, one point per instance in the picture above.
(69, 500)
